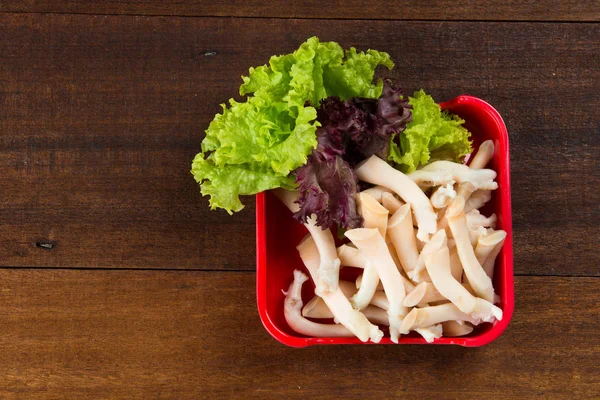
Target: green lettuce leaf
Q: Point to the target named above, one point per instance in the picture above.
(254, 145)
(431, 135)
(225, 184)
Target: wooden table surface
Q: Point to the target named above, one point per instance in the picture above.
(116, 281)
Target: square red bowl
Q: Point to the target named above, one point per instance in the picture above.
(277, 235)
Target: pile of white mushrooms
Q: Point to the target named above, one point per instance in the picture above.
(427, 261)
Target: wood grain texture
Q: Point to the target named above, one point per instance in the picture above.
(101, 115)
(167, 334)
(553, 10)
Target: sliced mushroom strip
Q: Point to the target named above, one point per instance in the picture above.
(358, 283)
(486, 245)
(372, 245)
(351, 257)
(316, 308)
(402, 236)
(427, 316)
(424, 292)
(339, 305)
(389, 201)
(408, 286)
(419, 273)
(430, 178)
(374, 214)
(477, 200)
(294, 318)
(490, 260)
(376, 171)
(456, 268)
(438, 266)
(465, 189)
(368, 287)
(377, 192)
(454, 329)
(484, 155)
(442, 196)
(481, 178)
(430, 333)
(481, 283)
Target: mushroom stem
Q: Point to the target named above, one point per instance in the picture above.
(372, 245)
(483, 156)
(369, 283)
(478, 279)
(438, 266)
(481, 178)
(401, 234)
(454, 328)
(294, 318)
(389, 201)
(339, 305)
(376, 171)
(427, 316)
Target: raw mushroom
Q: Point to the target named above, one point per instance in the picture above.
(401, 233)
(490, 260)
(351, 257)
(430, 333)
(426, 179)
(376, 171)
(419, 273)
(372, 245)
(454, 328)
(339, 305)
(380, 300)
(481, 178)
(424, 292)
(442, 197)
(374, 214)
(294, 318)
(438, 266)
(477, 200)
(475, 233)
(481, 283)
(377, 192)
(487, 244)
(427, 316)
(476, 219)
(358, 283)
(456, 268)
(368, 287)
(389, 201)
(465, 189)
(483, 156)
(316, 308)
(408, 286)
(329, 266)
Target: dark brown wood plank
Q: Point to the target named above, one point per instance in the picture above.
(167, 334)
(570, 10)
(101, 115)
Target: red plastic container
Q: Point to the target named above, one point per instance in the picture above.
(277, 235)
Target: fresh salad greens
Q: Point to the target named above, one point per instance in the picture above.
(308, 118)
(256, 144)
(431, 135)
(350, 132)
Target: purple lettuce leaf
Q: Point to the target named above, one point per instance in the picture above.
(328, 189)
(350, 132)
